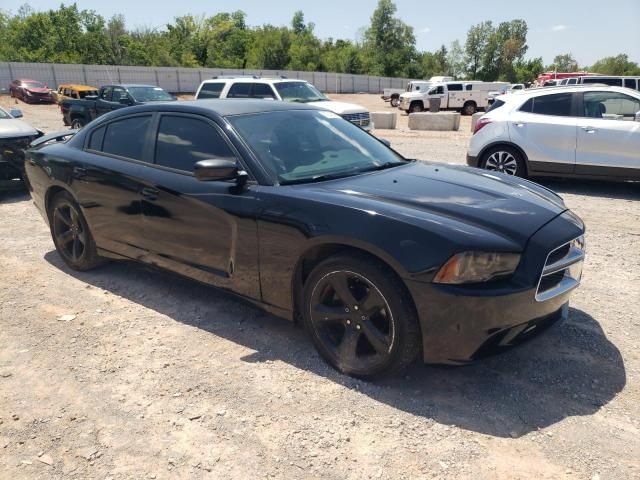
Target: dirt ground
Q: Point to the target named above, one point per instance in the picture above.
(126, 372)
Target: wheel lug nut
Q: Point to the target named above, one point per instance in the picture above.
(363, 317)
(358, 327)
(355, 307)
(348, 322)
(346, 310)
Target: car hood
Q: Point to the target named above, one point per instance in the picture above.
(340, 108)
(11, 127)
(38, 90)
(509, 207)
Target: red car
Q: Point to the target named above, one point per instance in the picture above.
(30, 91)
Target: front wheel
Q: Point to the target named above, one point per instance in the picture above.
(416, 107)
(395, 102)
(76, 124)
(71, 234)
(504, 159)
(361, 321)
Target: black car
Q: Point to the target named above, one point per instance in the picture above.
(311, 218)
(15, 137)
(78, 112)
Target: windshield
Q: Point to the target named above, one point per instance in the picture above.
(303, 146)
(4, 115)
(149, 94)
(33, 85)
(301, 92)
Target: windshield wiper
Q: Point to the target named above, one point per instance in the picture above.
(319, 178)
(384, 166)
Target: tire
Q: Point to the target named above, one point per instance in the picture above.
(371, 334)
(504, 159)
(71, 234)
(416, 107)
(395, 102)
(77, 124)
(469, 108)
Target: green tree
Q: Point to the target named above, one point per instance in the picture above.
(270, 48)
(564, 63)
(475, 46)
(456, 64)
(618, 65)
(528, 70)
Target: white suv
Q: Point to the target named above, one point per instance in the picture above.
(568, 131)
(281, 89)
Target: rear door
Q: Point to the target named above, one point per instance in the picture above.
(545, 128)
(205, 230)
(608, 137)
(108, 183)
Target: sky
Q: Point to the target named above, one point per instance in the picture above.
(589, 29)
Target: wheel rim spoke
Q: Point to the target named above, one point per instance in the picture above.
(376, 338)
(64, 217)
(326, 313)
(75, 248)
(346, 352)
(340, 284)
(64, 238)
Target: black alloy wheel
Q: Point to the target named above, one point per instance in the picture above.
(71, 234)
(360, 328)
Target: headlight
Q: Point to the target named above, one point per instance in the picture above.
(473, 267)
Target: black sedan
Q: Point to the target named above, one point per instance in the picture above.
(304, 214)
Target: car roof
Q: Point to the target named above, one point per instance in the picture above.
(77, 86)
(532, 92)
(254, 80)
(27, 80)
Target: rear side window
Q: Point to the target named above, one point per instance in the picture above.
(614, 82)
(496, 104)
(211, 90)
(126, 138)
(95, 141)
(630, 83)
(468, 86)
(183, 141)
(557, 104)
(454, 87)
(239, 90)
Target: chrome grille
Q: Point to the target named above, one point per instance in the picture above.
(360, 119)
(562, 270)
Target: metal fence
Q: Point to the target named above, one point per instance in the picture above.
(182, 80)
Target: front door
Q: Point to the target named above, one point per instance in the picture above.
(545, 127)
(205, 230)
(608, 135)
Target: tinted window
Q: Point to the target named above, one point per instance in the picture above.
(440, 90)
(454, 87)
(106, 94)
(95, 142)
(616, 82)
(239, 90)
(468, 86)
(183, 141)
(119, 93)
(558, 104)
(262, 90)
(496, 104)
(610, 105)
(126, 137)
(211, 90)
(630, 83)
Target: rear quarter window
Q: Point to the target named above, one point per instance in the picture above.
(210, 90)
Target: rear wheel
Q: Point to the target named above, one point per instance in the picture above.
(416, 107)
(360, 319)
(71, 234)
(77, 124)
(395, 102)
(504, 159)
(469, 108)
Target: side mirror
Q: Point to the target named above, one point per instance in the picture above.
(15, 113)
(637, 117)
(216, 169)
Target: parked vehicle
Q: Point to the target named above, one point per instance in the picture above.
(392, 95)
(491, 96)
(77, 113)
(283, 89)
(564, 131)
(30, 91)
(15, 137)
(302, 213)
(614, 81)
(467, 97)
(557, 76)
(73, 91)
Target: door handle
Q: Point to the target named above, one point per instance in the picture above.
(588, 129)
(150, 193)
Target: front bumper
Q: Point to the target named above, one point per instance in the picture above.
(463, 323)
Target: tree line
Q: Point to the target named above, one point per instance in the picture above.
(387, 47)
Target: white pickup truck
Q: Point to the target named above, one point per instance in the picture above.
(466, 97)
(393, 94)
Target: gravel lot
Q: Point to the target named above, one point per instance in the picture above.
(126, 372)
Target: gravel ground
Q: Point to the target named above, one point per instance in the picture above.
(126, 372)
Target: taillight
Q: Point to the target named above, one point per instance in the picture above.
(481, 123)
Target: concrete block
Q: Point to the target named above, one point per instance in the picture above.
(474, 119)
(441, 121)
(384, 120)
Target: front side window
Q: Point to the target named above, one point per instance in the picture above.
(240, 90)
(610, 105)
(183, 141)
(301, 92)
(126, 138)
(557, 104)
(211, 90)
(119, 93)
(106, 94)
(300, 146)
